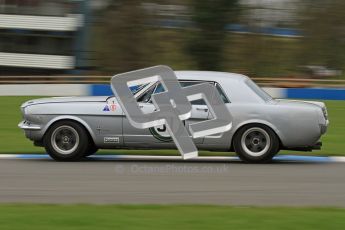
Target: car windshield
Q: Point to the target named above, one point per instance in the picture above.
(134, 89)
(260, 92)
(137, 88)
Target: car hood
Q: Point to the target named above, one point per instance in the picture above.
(65, 100)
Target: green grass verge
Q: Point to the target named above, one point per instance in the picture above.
(12, 139)
(137, 217)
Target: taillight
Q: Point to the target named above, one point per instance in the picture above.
(325, 114)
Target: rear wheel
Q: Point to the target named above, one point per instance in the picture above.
(256, 143)
(66, 141)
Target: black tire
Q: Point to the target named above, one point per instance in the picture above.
(92, 149)
(66, 141)
(256, 143)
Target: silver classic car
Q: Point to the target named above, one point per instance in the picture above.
(71, 128)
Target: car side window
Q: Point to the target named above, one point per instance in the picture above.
(200, 101)
(145, 98)
(189, 83)
(158, 88)
(222, 94)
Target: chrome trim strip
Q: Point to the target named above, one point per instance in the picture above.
(27, 126)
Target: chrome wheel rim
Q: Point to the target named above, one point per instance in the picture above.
(65, 140)
(255, 141)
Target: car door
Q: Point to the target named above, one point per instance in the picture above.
(134, 137)
(220, 140)
(158, 137)
(200, 111)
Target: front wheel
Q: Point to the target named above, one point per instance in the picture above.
(92, 149)
(66, 141)
(256, 143)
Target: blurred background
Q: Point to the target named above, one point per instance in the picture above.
(260, 38)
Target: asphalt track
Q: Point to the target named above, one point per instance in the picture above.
(226, 182)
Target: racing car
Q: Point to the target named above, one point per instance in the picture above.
(71, 128)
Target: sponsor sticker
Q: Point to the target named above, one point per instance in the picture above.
(110, 107)
(106, 108)
(111, 139)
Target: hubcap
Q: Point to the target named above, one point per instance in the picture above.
(255, 141)
(65, 139)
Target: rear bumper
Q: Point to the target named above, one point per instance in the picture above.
(316, 146)
(323, 127)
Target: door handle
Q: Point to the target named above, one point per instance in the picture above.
(201, 109)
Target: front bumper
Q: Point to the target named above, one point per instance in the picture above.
(25, 125)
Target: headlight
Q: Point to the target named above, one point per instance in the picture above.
(22, 109)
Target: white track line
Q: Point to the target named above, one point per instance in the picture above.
(123, 157)
(164, 158)
(285, 158)
(337, 159)
(8, 156)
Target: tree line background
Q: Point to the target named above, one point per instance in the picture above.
(127, 35)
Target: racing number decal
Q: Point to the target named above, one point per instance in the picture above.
(163, 129)
(160, 133)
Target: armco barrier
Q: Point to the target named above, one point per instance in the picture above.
(104, 90)
(100, 90)
(45, 90)
(316, 93)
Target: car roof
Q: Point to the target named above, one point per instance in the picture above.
(209, 76)
(232, 84)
